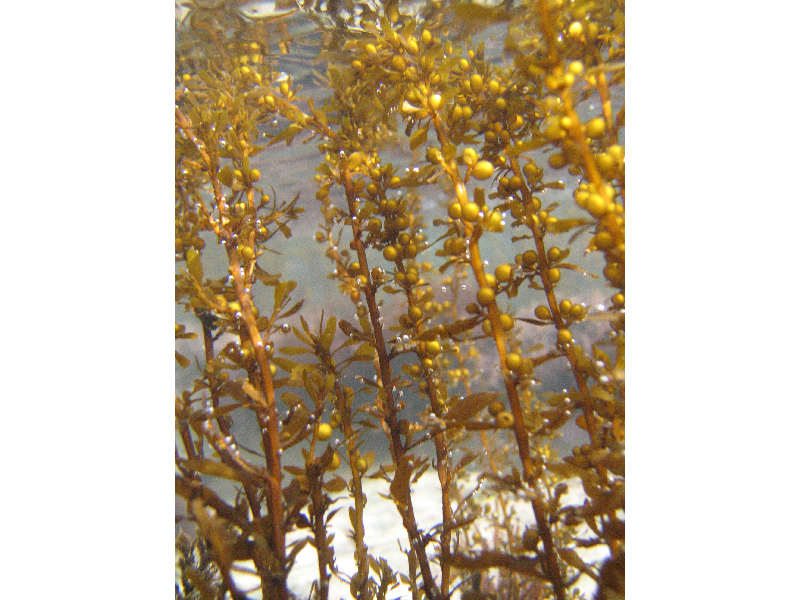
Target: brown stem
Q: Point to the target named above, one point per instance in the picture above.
(275, 586)
(412, 575)
(251, 492)
(484, 437)
(531, 475)
(558, 321)
(362, 561)
(442, 460)
(443, 470)
(387, 405)
(318, 507)
(268, 421)
(186, 438)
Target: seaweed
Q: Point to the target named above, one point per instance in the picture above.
(514, 151)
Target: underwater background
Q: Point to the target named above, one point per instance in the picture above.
(88, 354)
(288, 171)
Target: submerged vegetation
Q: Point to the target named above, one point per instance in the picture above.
(442, 355)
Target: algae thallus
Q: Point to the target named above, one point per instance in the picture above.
(468, 285)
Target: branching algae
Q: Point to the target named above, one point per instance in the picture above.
(445, 356)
